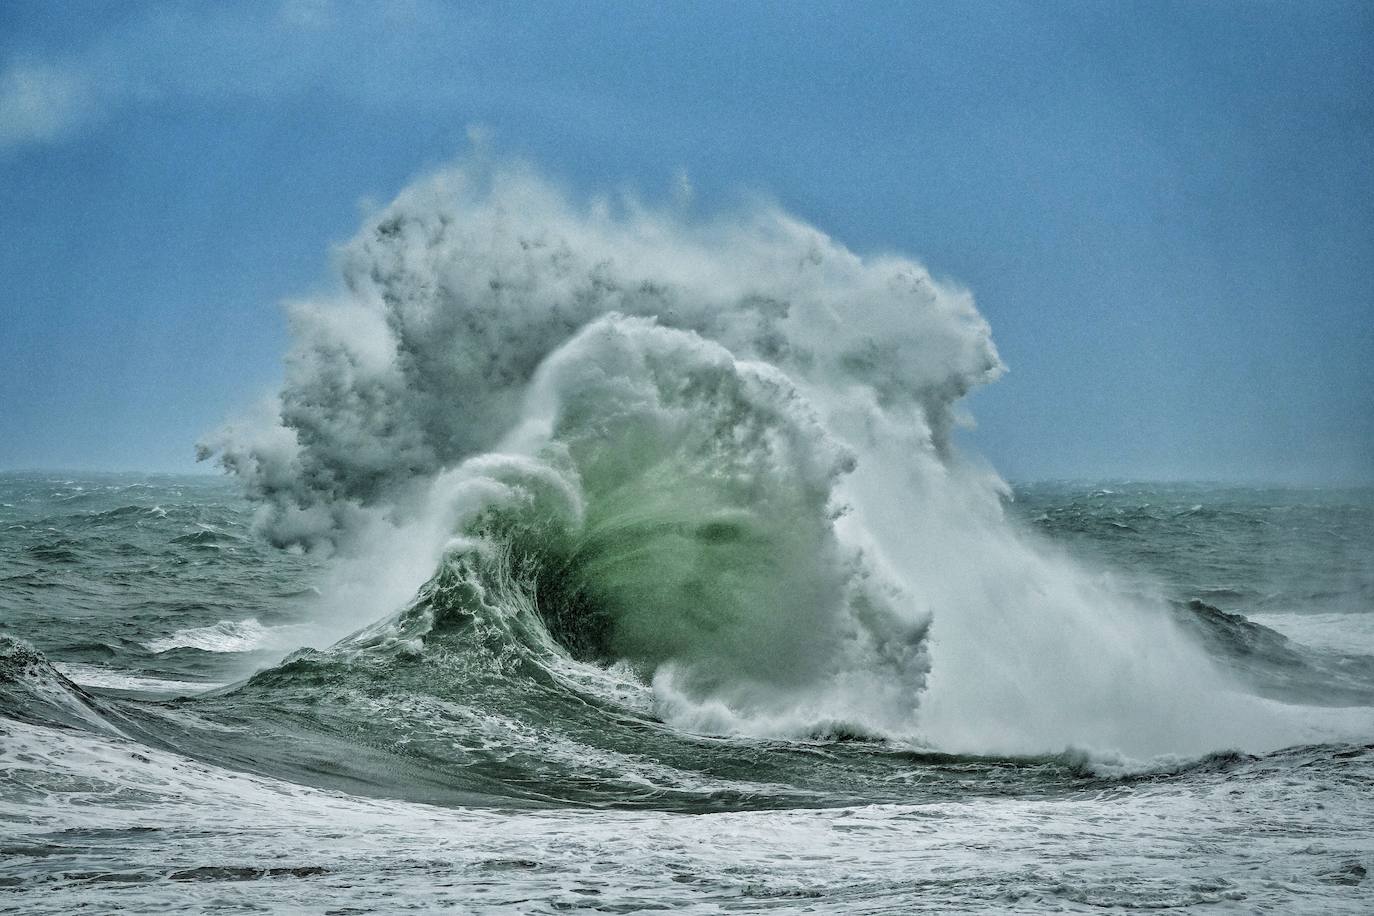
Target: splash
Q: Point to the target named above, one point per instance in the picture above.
(715, 453)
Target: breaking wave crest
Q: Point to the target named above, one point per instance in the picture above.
(702, 464)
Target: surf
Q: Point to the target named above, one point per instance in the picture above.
(714, 455)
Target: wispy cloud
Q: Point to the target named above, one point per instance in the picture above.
(374, 55)
(443, 64)
(41, 102)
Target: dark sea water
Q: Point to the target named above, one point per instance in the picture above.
(167, 744)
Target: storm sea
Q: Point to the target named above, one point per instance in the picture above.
(165, 743)
(592, 557)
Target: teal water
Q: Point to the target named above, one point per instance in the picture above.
(166, 735)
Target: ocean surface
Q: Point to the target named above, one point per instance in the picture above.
(193, 718)
(604, 557)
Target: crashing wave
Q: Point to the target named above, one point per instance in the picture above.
(717, 453)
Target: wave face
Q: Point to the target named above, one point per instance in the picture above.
(714, 454)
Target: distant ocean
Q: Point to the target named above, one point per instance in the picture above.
(165, 742)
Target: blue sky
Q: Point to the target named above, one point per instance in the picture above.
(1166, 211)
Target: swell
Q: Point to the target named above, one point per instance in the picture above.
(1276, 666)
(445, 705)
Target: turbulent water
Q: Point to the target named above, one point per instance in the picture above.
(592, 557)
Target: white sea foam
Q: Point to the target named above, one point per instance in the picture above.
(159, 829)
(113, 679)
(229, 636)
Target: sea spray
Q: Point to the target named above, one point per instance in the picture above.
(752, 423)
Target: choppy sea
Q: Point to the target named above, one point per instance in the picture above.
(167, 744)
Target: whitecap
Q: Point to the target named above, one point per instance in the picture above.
(227, 636)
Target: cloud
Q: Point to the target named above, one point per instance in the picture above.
(305, 14)
(213, 54)
(42, 102)
(415, 55)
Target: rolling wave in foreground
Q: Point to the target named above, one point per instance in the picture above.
(632, 565)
